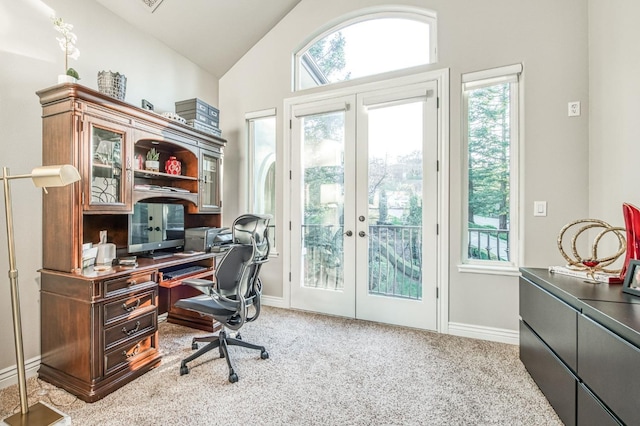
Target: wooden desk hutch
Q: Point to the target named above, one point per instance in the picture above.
(99, 330)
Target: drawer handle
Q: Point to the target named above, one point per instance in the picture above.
(133, 353)
(132, 307)
(133, 330)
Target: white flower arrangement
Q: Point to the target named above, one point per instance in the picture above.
(67, 43)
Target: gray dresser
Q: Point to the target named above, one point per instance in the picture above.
(580, 342)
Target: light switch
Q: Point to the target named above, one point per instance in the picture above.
(539, 208)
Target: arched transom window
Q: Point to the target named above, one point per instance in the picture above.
(369, 44)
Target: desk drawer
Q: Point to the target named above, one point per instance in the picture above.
(552, 377)
(129, 354)
(608, 366)
(128, 306)
(551, 319)
(127, 283)
(129, 330)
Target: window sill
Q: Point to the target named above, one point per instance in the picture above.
(510, 270)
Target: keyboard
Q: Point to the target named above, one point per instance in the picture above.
(173, 274)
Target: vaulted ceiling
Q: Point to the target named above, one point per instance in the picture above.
(213, 34)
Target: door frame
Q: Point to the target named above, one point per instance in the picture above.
(441, 77)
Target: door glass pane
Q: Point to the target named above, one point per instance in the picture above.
(106, 167)
(395, 200)
(323, 200)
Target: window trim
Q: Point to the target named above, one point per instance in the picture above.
(474, 80)
(249, 118)
(380, 12)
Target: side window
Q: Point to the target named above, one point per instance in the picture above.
(490, 132)
(370, 44)
(261, 128)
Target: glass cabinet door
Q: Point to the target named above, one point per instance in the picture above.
(108, 166)
(210, 181)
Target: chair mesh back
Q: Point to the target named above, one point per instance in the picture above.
(232, 269)
(241, 264)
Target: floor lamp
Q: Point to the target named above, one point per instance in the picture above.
(43, 177)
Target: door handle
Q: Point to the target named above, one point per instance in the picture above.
(348, 233)
(361, 218)
(362, 233)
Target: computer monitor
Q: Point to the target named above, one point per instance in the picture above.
(155, 227)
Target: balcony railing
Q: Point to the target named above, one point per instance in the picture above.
(488, 244)
(395, 259)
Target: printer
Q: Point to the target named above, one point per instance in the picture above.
(205, 238)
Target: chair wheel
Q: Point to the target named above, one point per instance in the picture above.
(233, 377)
(194, 346)
(184, 370)
(238, 336)
(264, 355)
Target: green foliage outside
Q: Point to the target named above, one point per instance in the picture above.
(489, 160)
(328, 54)
(489, 139)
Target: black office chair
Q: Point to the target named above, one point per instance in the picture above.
(234, 293)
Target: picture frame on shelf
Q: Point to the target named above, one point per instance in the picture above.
(631, 284)
(147, 105)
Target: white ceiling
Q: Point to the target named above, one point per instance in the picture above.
(213, 34)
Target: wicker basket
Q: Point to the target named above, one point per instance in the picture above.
(112, 84)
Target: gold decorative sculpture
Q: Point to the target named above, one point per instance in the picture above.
(592, 264)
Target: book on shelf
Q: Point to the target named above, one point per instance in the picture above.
(599, 276)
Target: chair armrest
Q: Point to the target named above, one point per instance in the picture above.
(205, 286)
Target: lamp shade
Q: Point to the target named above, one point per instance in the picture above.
(50, 176)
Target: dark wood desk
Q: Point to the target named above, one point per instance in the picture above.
(99, 330)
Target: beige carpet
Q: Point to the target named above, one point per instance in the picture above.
(321, 371)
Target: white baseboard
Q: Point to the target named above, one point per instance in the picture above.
(9, 376)
(276, 302)
(501, 335)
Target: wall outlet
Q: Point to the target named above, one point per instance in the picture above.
(574, 109)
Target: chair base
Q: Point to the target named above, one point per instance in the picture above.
(222, 341)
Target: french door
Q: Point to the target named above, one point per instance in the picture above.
(364, 205)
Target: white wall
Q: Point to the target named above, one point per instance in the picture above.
(549, 37)
(30, 60)
(614, 130)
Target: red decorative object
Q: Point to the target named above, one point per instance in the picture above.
(173, 166)
(632, 224)
(590, 263)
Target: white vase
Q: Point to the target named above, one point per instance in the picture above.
(152, 165)
(66, 79)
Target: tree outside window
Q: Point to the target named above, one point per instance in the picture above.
(490, 136)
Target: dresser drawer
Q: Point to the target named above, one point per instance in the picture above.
(130, 330)
(127, 283)
(608, 365)
(552, 377)
(591, 412)
(128, 354)
(128, 306)
(551, 319)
